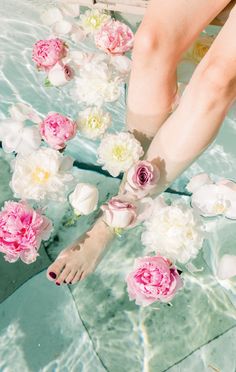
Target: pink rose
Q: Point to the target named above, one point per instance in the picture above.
(153, 279)
(46, 53)
(119, 213)
(142, 178)
(57, 129)
(114, 37)
(21, 231)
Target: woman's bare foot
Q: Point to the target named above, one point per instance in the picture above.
(81, 258)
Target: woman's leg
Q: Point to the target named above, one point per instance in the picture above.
(166, 32)
(202, 109)
(78, 260)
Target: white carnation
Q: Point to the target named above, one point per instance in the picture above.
(93, 122)
(41, 175)
(175, 232)
(118, 152)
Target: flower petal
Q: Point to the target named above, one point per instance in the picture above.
(51, 16)
(226, 267)
(197, 181)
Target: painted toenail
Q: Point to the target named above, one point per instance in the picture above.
(58, 283)
(70, 283)
(52, 275)
(64, 282)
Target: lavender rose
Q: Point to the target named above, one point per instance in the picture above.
(142, 178)
(153, 279)
(119, 213)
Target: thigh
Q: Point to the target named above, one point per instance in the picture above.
(180, 21)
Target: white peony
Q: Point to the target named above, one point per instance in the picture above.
(118, 152)
(96, 91)
(69, 8)
(122, 65)
(93, 122)
(175, 232)
(84, 199)
(216, 199)
(92, 20)
(17, 137)
(51, 16)
(41, 175)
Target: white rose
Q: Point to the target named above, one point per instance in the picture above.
(84, 198)
(60, 75)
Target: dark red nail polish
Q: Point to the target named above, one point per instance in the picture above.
(70, 283)
(64, 282)
(52, 275)
(58, 283)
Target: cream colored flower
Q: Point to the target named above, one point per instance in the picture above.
(84, 198)
(93, 122)
(197, 181)
(41, 175)
(92, 20)
(175, 232)
(200, 48)
(118, 152)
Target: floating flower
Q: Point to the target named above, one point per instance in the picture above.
(227, 267)
(17, 137)
(92, 20)
(51, 16)
(46, 53)
(200, 47)
(173, 231)
(70, 8)
(197, 181)
(93, 122)
(42, 174)
(120, 213)
(118, 152)
(60, 75)
(141, 178)
(57, 129)
(114, 38)
(122, 64)
(153, 279)
(215, 199)
(22, 112)
(21, 231)
(84, 199)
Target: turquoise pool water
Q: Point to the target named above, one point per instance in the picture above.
(92, 326)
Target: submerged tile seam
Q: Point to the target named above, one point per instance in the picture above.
(198, 348)
(94, 349)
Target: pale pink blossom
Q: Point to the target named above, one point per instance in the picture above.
(119, 213)
(153, 279)
(57, 129)
(46, 53)
(60, 74)
(114, 38)
(142, 177)
(21, 231)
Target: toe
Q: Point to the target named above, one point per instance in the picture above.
(77, 277)
(63, 275)
(55, 269)
(72, 275)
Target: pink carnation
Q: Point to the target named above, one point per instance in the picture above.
(153, 279)
(21, 231)
(114, 37)
(142, 178)
(46, 53)
(57, 129)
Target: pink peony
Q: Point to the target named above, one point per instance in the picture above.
(21, 231)
(153, 279)
(46, 53)
(119, 213)
(142, 178)
(114, 37)
(57, 129)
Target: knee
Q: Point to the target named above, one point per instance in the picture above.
(150, 42)
(218, 79)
